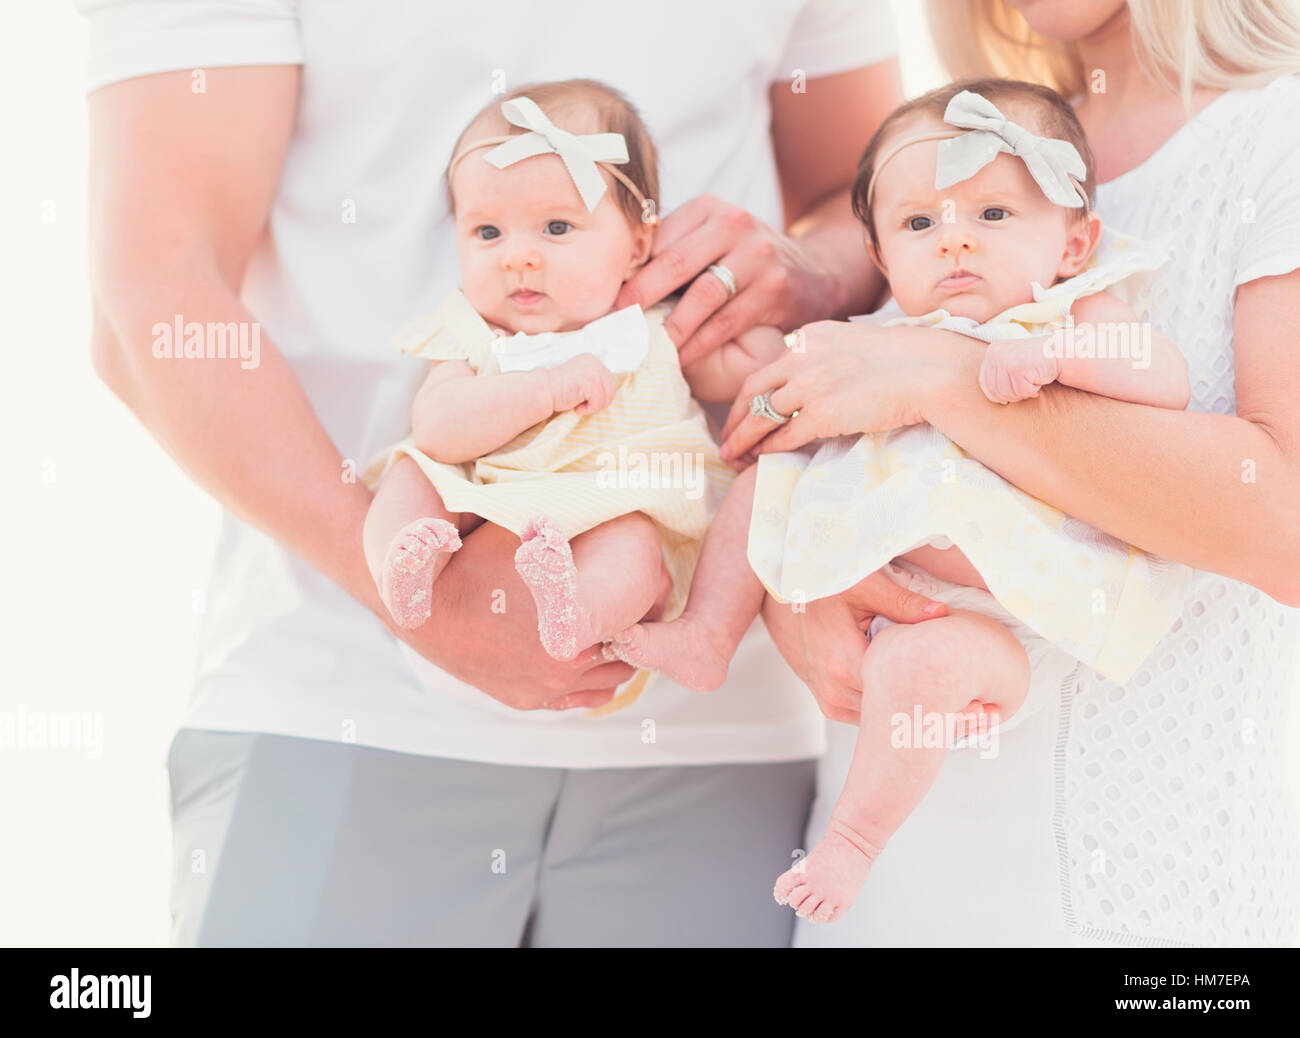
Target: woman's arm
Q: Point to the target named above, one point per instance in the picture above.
(1217, 492)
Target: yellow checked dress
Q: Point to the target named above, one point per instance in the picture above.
(649, 451)
(826, 517)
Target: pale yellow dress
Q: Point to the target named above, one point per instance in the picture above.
(649, 451)
(828, 516)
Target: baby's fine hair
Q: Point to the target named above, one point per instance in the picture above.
(580, 106)
(1055, 119)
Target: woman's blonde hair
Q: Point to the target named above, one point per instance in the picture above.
(1221, 44)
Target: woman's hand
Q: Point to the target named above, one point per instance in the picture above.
(824, 643)
(840, 378)
(778, 280)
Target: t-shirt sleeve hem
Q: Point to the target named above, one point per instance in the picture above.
(831, 38)
(1273, 266)
(144, 39)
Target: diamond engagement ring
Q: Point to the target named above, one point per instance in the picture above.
(761, 407)
(727, 278)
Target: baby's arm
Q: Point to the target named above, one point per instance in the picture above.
(717, 377)
(1015, 369)
(948, 564)
(459, 416)
(1162, 379)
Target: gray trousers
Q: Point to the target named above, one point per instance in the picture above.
(293, 842)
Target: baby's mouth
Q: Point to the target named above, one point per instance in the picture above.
(526, 297)
(959, 280)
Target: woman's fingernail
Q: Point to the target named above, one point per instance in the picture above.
(933, 609)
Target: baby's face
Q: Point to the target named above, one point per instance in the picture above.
(974, 247)
(532, 258)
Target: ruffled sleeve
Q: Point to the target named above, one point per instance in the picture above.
(1120, 261)
(454, 331)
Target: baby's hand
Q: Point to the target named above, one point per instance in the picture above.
(582, 384)
(1015, 369)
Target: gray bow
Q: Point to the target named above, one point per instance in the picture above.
(1050, 162)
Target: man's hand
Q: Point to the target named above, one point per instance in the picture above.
(483, 630)
(825, 643)
(779, 281)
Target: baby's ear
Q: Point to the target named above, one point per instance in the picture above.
(1079, 245)
(874, 253)
(642, 241)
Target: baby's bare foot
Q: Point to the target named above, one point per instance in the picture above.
(545, 562)
(411, 566)
(680, 649)
(823, 885)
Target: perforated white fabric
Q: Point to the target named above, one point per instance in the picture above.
(1174, 821)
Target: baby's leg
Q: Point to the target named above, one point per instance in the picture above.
(408, 537)
(609, 577)
(956, 668)
(696, 648)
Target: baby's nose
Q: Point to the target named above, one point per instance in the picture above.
(956, 238)
(521, 256)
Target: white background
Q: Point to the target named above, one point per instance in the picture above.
(106, 543)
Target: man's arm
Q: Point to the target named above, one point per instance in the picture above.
(181, 187)
(818, 266)
(818, 136)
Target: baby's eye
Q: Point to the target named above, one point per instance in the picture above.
(919, 223)
(487, 232)
(558, 227)
(993, 212)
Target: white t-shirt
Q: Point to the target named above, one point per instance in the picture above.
(386, 88)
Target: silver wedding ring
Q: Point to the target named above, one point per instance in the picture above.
(793, 339)
(727, 278)
(761, 407)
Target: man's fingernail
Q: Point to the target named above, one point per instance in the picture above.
(933, 609)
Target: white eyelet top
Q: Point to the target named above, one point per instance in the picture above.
(1179, 778)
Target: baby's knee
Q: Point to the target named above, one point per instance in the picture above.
(903, 663)
(962, 656)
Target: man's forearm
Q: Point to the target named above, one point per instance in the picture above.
(834, 239)
(248, 436)
(1216, 492)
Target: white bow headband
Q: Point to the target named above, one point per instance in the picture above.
(581, 154)
(1055, 165)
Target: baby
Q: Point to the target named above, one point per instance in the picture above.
(972, 200)
(535, 389)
